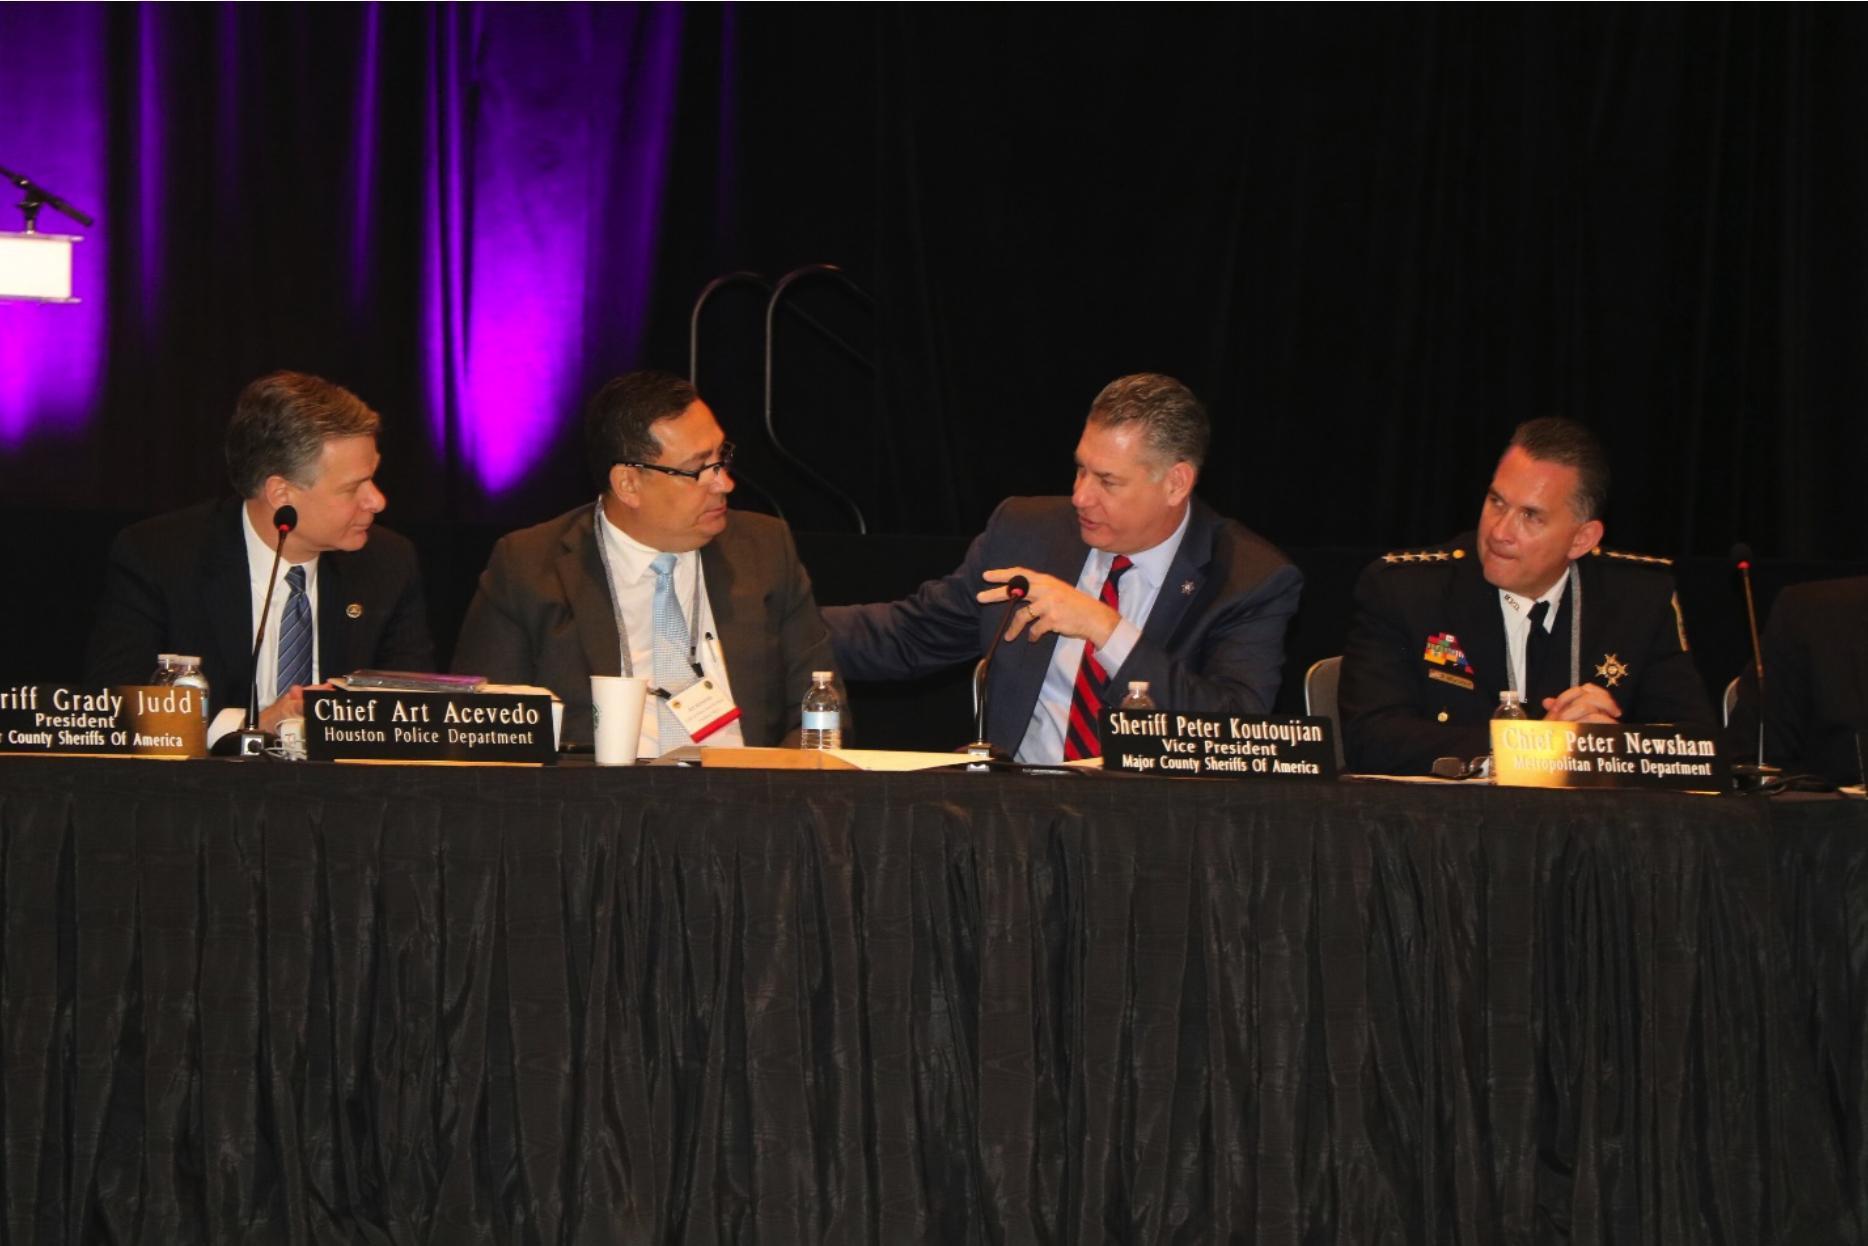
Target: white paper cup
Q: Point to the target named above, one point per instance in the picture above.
(616, 712)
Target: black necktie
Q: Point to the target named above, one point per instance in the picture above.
(1536, 649)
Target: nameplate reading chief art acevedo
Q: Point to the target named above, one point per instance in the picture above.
(353, 725)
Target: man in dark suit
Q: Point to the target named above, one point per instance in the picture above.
(1530, 603)
(1132, 578)
(1815, 681)
(658, 579)
(348, 593)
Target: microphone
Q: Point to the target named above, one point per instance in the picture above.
(1751, 776)
(250, 741)
(38, 196)
(1016, 589)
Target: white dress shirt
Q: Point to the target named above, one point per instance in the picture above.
(1517, 613)
(633, 579)
(1135, 592)
(259, 557)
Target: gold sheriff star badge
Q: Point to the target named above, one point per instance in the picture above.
(1612, 670)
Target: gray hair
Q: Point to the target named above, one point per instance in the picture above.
(1554, 439)
(280, 425)
(1174, 423)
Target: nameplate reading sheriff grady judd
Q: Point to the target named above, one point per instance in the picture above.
(1215, 746)
(429, 726)
(1552, 754)
(132, 720)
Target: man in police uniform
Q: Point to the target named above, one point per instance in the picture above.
(1529, 602)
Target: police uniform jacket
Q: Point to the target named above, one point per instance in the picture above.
(1427, 656)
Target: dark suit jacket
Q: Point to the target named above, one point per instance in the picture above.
(542, 615)
(1400, 710)
(1815, 679)
(1214, 640)
(179, 583)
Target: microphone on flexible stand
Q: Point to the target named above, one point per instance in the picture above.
(250, 741)
(1016, 589)
(1749, 776)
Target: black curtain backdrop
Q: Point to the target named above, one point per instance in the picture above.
(1372, 238)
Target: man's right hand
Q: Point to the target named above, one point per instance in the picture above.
(1585, 703)
(290, 705)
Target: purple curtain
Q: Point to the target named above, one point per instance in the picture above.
(53, 117)
(454, 210)
(545, 161)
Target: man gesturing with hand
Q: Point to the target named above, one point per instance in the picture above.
(1131, 577)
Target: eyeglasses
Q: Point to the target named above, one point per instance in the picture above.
(722, 464)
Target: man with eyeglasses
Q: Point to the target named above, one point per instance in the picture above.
(657, 579)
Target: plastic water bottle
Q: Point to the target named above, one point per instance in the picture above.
(186, 673)
(1138, 698)
(823, 714)
(1510, 705)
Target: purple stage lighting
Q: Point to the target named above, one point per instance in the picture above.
(52, 122)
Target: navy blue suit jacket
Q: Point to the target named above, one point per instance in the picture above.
(179, 583)
(1214, 640)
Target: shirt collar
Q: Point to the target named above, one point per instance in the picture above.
(629, 557)
(1518, 606)
(1150, 565)
(259, 554)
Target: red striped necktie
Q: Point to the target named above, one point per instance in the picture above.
(1087, 698)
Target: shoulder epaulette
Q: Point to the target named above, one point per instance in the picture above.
(1424, 555)
(1624, 556)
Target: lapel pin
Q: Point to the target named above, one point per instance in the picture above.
(354, 610)
(1186, 588)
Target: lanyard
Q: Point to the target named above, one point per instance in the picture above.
(616, 607)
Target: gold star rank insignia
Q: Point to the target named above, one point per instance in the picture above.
(1612, 670)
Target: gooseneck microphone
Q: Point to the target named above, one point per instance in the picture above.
(1016, 590)
(250, 741)
(1757, 774)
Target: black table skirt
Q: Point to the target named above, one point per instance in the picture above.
(282, 1003)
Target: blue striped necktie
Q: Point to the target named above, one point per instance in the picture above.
(294, 665)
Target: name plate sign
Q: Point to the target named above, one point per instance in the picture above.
(1553, 754)
(429, 726)
(132, 720)
(1218, 745)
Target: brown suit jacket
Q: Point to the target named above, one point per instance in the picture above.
(542, 615)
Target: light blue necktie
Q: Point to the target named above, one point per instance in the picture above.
(294, 666)
(672, 672)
